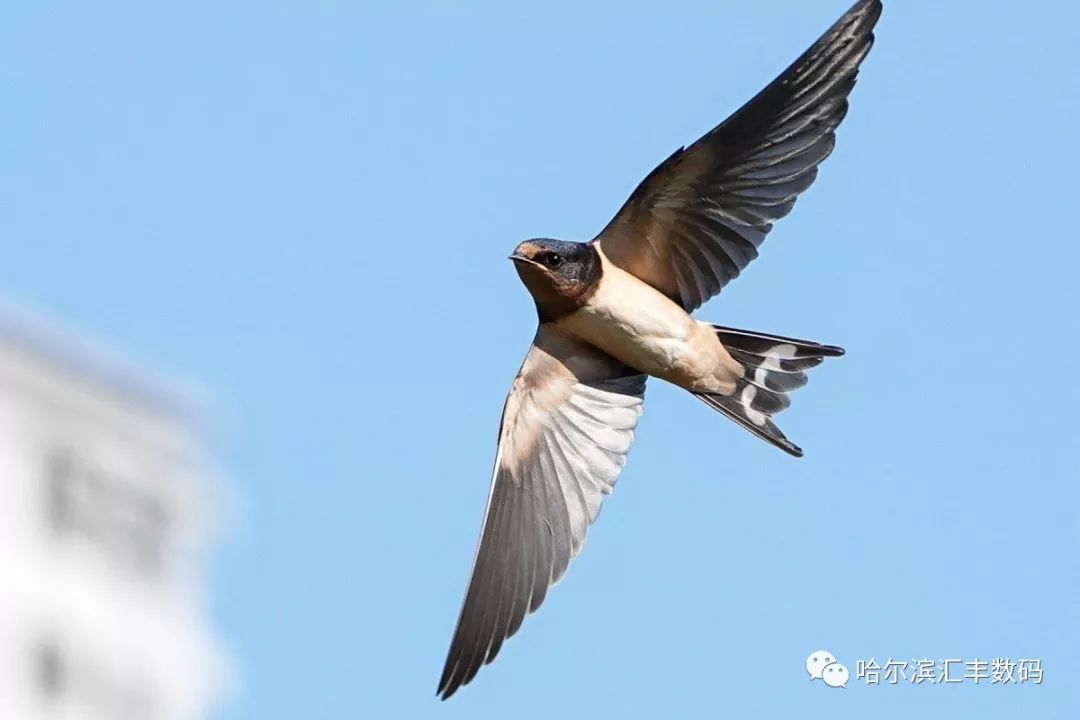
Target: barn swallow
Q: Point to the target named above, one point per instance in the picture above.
(616, 310)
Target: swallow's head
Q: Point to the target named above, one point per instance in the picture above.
(561, 276)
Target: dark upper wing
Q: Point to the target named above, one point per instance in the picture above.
(566, 429)
(698, 219)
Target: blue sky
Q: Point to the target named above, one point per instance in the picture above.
(307, 209)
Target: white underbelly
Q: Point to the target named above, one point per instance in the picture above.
(634, 323)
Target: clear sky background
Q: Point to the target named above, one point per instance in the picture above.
(307, 209)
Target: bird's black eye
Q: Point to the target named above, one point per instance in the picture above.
(553, 259)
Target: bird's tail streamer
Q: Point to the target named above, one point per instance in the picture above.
(773, 367)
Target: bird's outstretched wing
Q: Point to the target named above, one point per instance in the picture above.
(698, 219)
(566, 428)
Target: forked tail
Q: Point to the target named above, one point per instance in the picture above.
(773, 367)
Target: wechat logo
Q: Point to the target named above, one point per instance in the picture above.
(823, 666)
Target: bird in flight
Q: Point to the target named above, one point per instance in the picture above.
(616, 310)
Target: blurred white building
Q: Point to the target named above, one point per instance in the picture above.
(104, 501)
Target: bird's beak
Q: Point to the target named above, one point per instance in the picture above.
(518, 257)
